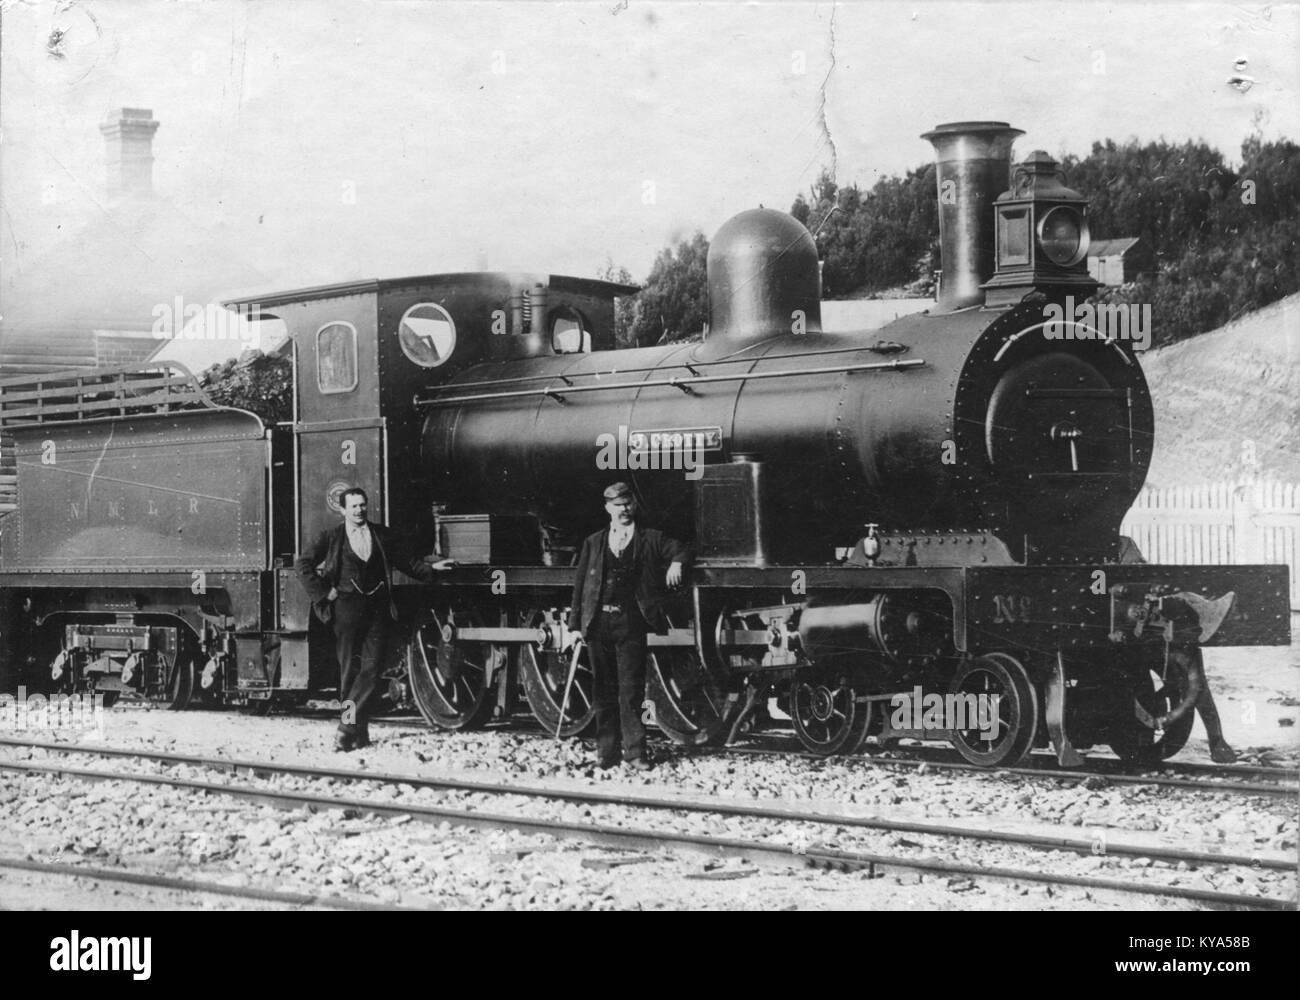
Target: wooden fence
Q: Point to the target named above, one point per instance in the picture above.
(1222, 523)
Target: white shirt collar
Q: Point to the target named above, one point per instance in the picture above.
(620, 538)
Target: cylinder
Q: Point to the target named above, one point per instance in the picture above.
(973, 167)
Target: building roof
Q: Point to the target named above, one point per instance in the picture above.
(1112, 248)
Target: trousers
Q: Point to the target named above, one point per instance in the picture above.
(361, 640)
(616, 643)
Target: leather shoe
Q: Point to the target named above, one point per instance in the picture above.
(344, 742)
(639, 764)
(605, 763)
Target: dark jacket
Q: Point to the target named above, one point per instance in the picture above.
(654, 551)
(320, 567)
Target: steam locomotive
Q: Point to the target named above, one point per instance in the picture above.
(931, 508)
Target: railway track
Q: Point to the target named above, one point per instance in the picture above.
(1041, 766)
(191, 887)
(641, 838)
(1235, 777)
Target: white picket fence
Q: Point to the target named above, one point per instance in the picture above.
(1220, 523)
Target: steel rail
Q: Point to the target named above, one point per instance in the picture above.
(670, 803)
(1248, 788)
(652, 839)
(1196, 767)
(151, 881)
(1106, 768)
(1283, 774)
(1279, 787)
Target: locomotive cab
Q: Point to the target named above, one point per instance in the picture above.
(365, 350)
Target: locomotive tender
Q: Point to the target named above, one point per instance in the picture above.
(974, 465)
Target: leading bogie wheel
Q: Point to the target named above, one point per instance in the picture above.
(827, 715)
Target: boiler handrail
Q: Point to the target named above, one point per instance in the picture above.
(559, 392)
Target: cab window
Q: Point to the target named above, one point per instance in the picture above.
(336, 358)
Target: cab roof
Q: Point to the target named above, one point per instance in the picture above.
(557, 282)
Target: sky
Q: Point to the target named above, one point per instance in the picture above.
(337, 139)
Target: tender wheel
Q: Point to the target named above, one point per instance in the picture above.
(827, 716)
(167, 684)
(172, 686)
(1008, 741)
(451, 679)
(544, 673)
(1136, 743)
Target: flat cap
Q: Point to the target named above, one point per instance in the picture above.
(617, 491)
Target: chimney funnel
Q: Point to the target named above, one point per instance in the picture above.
(973, 167)
(128, 135)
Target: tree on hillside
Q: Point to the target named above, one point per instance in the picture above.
(1226, 241)
(1274, 168)
(674, 305)
(874, 241)
(1158, 191)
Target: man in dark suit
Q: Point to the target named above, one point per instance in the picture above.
(347, 573)
(617, 599)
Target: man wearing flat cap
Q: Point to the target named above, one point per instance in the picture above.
(623, 575)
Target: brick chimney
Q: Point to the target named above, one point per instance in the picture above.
(128, 135)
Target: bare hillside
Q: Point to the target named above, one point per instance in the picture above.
(1228, 398)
